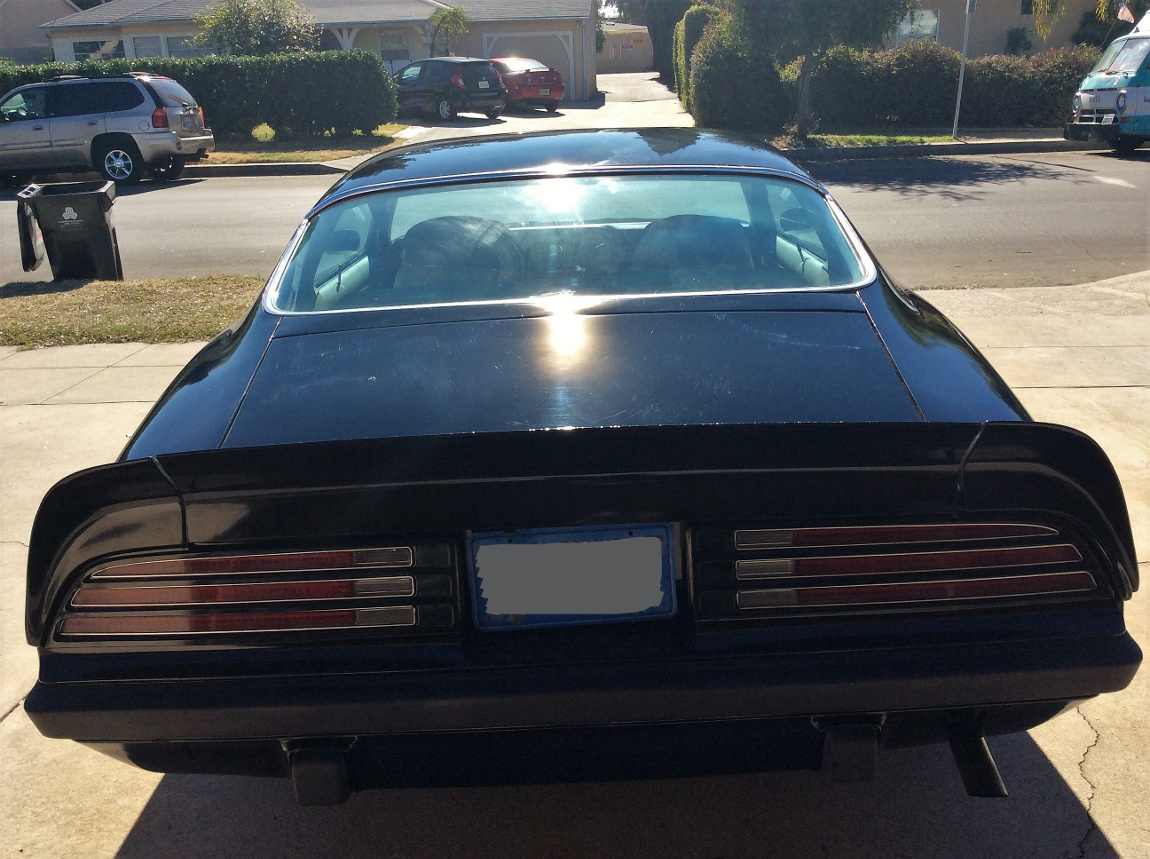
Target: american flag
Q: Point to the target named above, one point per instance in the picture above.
(1124, 14)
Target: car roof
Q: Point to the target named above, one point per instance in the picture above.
(454, 60)
(546, 153)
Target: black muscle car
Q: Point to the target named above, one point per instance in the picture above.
(575, 456)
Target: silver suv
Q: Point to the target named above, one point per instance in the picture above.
(119, 126)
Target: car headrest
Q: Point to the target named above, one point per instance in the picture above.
(694, 242)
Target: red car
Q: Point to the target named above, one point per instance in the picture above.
(530, 83)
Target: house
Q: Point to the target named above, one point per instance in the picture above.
(990, 24)
(627, 49)
(20, 35)
(560, 33)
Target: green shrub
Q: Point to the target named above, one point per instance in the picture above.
(687, 34)
(299, 95)
(915, 85)
(662, 16)
(733, 83)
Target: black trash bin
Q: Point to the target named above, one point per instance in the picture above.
(75, 220)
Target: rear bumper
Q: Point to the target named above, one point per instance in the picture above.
(163, 144)
(1090, 132)
(908, 680)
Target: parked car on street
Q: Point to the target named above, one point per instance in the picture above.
(576, 455)
(445, 86)
(530, 83)
(1113, 102)
(121, 127)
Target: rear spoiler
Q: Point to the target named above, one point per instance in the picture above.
(336, 493)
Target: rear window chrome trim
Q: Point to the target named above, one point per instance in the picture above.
(867, 263)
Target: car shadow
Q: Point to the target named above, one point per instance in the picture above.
(915, 807)
(147, 184)
(953, 178)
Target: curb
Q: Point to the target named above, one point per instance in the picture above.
(298, 168)
(990, 147)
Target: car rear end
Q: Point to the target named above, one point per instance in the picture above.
(531, 83)
(478, 87)
(177, 123)
(355, 614)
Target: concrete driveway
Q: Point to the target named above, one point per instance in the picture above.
(1080, 785)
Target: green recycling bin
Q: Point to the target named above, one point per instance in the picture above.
(74, 220)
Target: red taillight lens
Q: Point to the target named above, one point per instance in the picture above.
(458, 80)
(159, 118)
(853, 567)
(203, 122)
(293, 591)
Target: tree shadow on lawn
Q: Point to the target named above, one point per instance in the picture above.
(950, 177)
(915, 807)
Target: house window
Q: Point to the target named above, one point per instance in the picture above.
(918, 24)
(98, 50)
(392, 45)
(181, 47)
(147, 46)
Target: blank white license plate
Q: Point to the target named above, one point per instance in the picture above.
(1108, 119)
(544, 90)
(572, 576)
(484, 84)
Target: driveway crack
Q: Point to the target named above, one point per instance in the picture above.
(12, 709)
(1090, 825)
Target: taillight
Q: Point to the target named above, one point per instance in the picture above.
(203, 122)
(458, 80)
(750, 572)
(395, 588)
(159, 118)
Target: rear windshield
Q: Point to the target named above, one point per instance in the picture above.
(595, 236)
(1124, 56)
(521, 65)
(171, 93)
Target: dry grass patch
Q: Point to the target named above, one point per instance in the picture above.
(273, 150)
(129, 311)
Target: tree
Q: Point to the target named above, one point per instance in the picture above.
(1100, 26)
(446, 23)
(790, 29)
(257, 27)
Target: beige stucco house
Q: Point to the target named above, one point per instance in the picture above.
(560, 33)
(990, 23)
(20, 35)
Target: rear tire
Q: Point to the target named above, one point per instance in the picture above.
(169, 168)
(493, 114)
(552, 106)
(445, 109)
(119, 162)
(1125, 146)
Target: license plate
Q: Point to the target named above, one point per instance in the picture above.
(1108, 119)
(544, 90)
(484, 84)
(189, 122)
(571, 576)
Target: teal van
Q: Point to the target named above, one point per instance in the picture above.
(1113, 102)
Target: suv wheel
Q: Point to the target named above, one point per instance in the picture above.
(168, 168)
(445, 109)
(119, 162)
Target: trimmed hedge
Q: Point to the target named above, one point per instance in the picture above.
(687, 34)
(733, 83)
(662, 16)
(915, 85)
(299, 95)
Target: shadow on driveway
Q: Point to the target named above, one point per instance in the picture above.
(916, 807)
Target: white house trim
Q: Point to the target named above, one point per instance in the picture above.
(346, 36)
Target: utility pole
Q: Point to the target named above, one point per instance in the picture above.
(962, 68)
